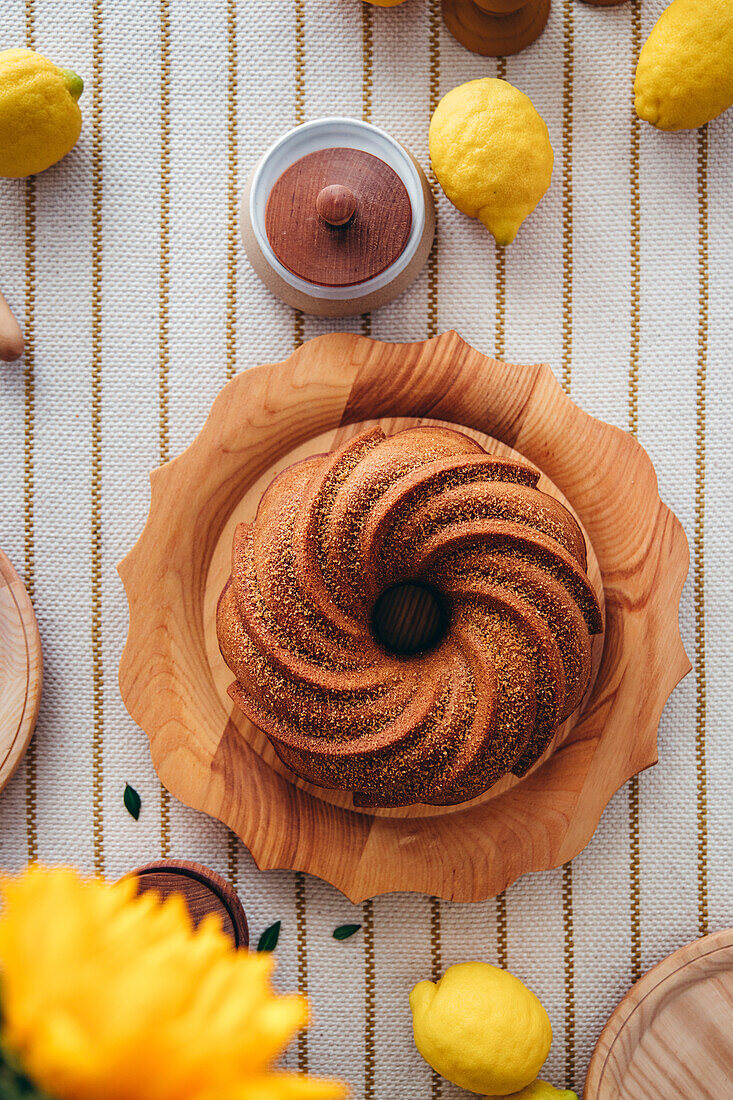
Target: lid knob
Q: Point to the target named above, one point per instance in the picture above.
(336, 204)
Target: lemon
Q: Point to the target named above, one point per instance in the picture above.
(481, 1028)
(491, 154)
(40, 120)
(685, 72)
(540, 1090)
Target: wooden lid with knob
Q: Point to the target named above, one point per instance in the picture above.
(338, 217)
(496, 28)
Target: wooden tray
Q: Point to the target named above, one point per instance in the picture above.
(21, 670)
(173, 680)
(672, 1035)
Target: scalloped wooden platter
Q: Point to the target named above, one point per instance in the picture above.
(173, 680)
(21, 670)
(672, 1034)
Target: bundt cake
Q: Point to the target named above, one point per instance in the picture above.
(507, 564)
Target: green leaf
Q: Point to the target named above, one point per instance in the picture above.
(345, 931)
(132, 801)
(268, 939)
(14, 1085)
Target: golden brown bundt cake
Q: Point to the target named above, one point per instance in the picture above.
(507, 563)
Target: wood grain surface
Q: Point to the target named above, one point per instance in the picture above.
(173, 680)
(11, 337)
(409, 618)
(21, 669)
(496, 28)
(204, 891)
(671, 1038)
(338, 255)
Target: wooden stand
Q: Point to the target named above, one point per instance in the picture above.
(672, 1035)
(496, 28)
(202, 889)
(21, 670)
(173, 679)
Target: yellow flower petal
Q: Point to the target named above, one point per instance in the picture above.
(108, 995)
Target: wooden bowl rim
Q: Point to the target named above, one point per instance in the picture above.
(24, 721)
(665, 975)
(212, 880)
(525, 393)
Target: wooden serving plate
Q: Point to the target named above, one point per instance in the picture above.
(173, 680)
(672, 1035)
(203, 890)
(21, 669)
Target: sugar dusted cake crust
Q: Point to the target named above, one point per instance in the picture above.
(427, 505)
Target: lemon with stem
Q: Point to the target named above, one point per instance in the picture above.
(40, 120)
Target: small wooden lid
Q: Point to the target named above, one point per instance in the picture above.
(338, 217)
(203, 890)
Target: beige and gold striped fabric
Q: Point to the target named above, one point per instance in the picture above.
(125, 263)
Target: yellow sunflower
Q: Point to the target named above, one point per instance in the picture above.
(107, 996)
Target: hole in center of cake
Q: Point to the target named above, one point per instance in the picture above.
(409, 618)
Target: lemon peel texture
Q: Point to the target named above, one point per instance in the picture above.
(40, 120)
(685, 73)
(540, 1090)
(481, 1028)
(491, 154)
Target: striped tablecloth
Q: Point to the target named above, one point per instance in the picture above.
(125, 266)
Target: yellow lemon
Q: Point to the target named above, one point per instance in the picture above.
(685, 72)
(491, 154)
(540, 1090)
(40, 120)
(481, 1028)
